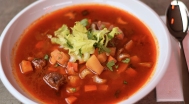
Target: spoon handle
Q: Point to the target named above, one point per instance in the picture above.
(185, 75)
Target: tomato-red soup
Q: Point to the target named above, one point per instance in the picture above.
(84, 54)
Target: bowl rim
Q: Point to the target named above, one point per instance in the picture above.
(22, 98)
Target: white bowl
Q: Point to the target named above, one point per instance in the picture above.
(23, 19)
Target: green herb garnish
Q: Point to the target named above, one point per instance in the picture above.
(124, 82)
(84, 22)
(110, 64)
(127, 60)
(46, 57)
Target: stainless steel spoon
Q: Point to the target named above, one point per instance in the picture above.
(177, 23)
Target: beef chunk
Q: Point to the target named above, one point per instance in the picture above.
(39, 63)
(55, 80)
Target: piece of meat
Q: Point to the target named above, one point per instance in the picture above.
(55, 80)
(39, 63)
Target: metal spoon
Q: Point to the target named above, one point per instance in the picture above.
(177, 23)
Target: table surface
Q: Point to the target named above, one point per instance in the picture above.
(9, 8)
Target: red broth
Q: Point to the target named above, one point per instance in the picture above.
(120, 86)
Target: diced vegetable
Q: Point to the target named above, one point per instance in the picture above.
(52, 60)
(61, 57)
(30, 58)
(90, 88)
(70, 71)
(129, 45)
(40, 44)
(131, 72)
(127, 60)
(74, 80)
(112, 51)
(98, 80)
(102, 57)
(135, 59)
(121, 21)
(122, 67)
(94, 65)
(70, 99)
(102, 87)
(110, 64)
(146, 64)
(73, 65)
(84, 73)
(26, 66)
(110, 58)
(70, 15)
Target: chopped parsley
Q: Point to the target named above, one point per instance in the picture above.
(116, 66)
(110, 64)
(127, 60)
(46, 57)
(124, 82)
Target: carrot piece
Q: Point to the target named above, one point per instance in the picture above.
(129, 45)
(70, 71)
(94, 65)
(135, 59)
(122, 67)
(110, 58)
(102, 57)
(130, 71)
(40, 44)
(60, 57)
(112, 51)
(26, 66)
(73, 65)
(103, 87)
(70, 99)
(90, 88)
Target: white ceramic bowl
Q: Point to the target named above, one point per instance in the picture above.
(23, 19)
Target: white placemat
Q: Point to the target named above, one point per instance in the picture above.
(169, 88)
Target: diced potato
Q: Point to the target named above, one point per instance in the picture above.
(60, 57)
(26, 66)
(94, 65)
